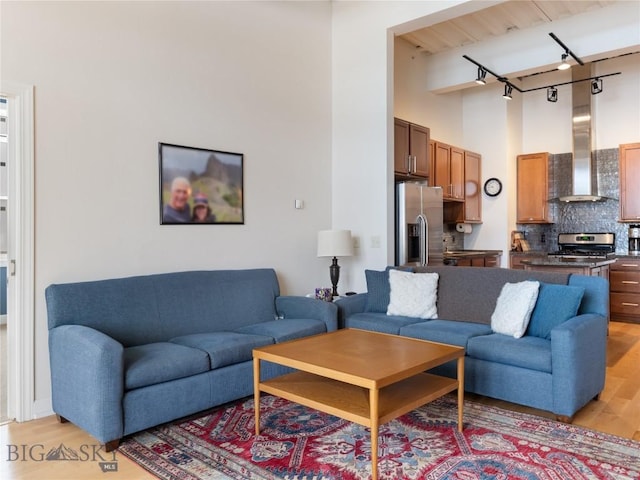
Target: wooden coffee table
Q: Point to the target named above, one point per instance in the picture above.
(365, 377)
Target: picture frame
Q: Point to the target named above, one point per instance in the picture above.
(200, 186)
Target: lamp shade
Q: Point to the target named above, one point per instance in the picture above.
(335, 243)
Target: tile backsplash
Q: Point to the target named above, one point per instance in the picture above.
(580, 217)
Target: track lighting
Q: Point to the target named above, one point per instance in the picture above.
(552, 90)
(507, 91)
(596, 86)
(564, 65)
(482, 73)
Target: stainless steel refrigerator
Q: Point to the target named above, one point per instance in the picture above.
(418, 224)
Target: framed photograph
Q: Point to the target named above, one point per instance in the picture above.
(200, 186)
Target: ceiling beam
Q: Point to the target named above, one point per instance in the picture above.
(603, 33)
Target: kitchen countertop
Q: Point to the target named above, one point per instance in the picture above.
(558, 262)
(537, 253)
(471, 253)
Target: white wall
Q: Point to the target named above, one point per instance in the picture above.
(112, 79)
(362, 125)
(414, 103)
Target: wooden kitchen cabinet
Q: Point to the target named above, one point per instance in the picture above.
(411, 149)
(479, 261)
(533, 188)
(472, 188)
(448, 170)
(629, 158)
(624, 290)
(602, 271)
(515, 259)
(492, 261)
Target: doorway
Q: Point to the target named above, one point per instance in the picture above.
(17, 366)
(4, 158)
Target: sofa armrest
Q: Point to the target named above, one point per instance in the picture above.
(350, 305)
(87, 379)
(578, 360)
(305, 307)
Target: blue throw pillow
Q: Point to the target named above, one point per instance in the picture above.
(378, 289)
(556, 304)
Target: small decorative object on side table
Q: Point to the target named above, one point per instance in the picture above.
(324, 294)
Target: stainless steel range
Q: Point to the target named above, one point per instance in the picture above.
(585, 246)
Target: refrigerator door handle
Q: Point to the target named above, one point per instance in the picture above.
(423, 231)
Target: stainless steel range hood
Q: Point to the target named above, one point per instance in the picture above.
(584, 186)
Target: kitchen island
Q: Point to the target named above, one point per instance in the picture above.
(592, 267)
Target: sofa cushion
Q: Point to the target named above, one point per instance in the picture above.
(463, 286)
(413, 294)
(513, 308)
(527, 352)
(161, 362)
(285, 329)
(555, 305)
(378, 289)
(224, 348)
(445, 331)
(379, 322)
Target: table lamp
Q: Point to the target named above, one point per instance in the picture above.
(335, 243)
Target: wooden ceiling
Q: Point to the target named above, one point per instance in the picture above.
(496, 21)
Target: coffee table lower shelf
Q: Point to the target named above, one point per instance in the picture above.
(351, 402)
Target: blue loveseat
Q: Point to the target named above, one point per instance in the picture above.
(130, 353)
(559, 369)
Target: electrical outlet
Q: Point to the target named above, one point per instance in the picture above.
(375, 241)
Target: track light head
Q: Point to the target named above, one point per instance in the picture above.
(507, 91)
(596, 86)
(482, 74)
(564, 65)
(552, 94)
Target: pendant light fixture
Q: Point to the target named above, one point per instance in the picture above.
(552, 94)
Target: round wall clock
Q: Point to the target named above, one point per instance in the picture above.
(493, 187)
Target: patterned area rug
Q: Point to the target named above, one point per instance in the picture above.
(299, 443)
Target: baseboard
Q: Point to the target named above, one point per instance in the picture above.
(42, 408)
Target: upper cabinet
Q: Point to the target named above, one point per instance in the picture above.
(472, 188)
(457, 171)
(448, 170)
(533, 188)
(411, 149)
(629, 156)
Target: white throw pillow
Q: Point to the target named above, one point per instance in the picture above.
(413, 294)
(513, 308)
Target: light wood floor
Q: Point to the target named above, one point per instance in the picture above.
(616, 412)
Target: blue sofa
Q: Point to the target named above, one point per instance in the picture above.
(130, 353)
(560, 374)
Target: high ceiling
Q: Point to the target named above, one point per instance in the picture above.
(512, 39)
(496, 21)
